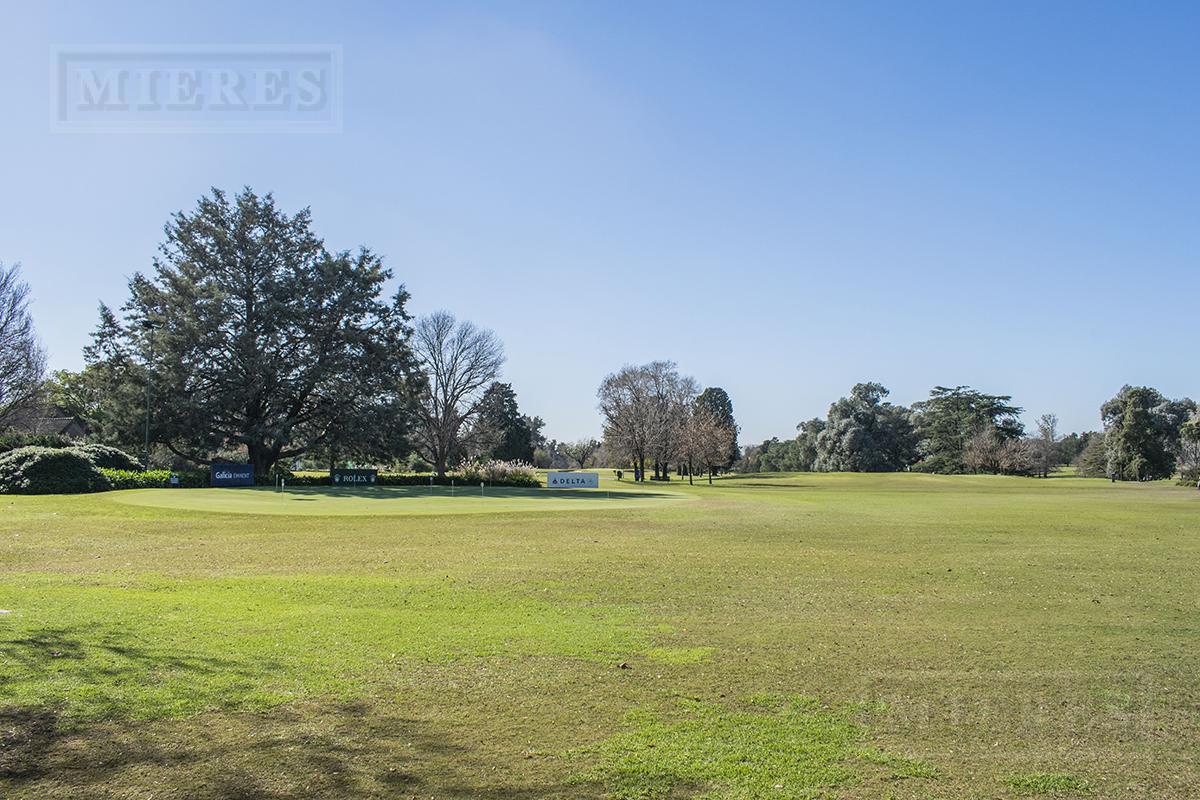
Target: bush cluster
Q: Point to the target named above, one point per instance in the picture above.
(46, 470)
(498, 473)
(107, 457)
(97, 468)
(153, 479)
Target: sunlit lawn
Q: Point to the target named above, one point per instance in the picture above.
(769, 636)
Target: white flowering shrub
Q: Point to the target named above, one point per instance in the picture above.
(498, 473)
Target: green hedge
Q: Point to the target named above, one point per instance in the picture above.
(45, 470)
(153, 479)
(294, 480)
(409, 479)
(107, 457)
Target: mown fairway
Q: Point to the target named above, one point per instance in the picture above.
(769, 636)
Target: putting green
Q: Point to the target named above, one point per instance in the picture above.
(391, 500)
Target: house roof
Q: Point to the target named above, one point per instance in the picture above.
(64, 426)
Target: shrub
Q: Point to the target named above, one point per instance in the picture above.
(413, 463)
(508, 474)
(153, 479)
(44, 470)
(295, 479)
(413, 479)
(107, 457)
(498, 473)
(493, 473)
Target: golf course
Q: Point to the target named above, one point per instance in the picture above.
(783, 635)
(600, 401)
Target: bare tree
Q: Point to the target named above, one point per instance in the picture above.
(715, 439)
(705, 441)
(625, 401)
(645, 411)
(580, 452)
(982, 452)
(673, 397)
(1045, 447)
(460, 361)
(987, 451)
(22, 361)
(1017, 457)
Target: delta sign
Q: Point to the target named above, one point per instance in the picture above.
(572, 480)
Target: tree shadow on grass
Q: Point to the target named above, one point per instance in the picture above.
(307, 750)
(26, 736)
(770, 485)
(110, 657)
(780, 480)
(341, 751)
(468, 492)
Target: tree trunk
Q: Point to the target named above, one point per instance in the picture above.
(260, 458)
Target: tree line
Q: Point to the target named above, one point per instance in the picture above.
(249, 338)
(1144, 436)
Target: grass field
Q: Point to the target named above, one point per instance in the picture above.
(778, 636)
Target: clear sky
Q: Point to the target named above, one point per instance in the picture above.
(785, 198)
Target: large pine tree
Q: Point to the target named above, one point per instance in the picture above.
(255, 338)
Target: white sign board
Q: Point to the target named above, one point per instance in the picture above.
(572, 480)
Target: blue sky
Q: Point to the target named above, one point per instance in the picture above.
(783, 198)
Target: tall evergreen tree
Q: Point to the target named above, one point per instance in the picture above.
(1092, 461)
(1188, 462)
(864, 433)
(806, 449)
(716, 403)
(952, 417)
(501, 430)
(254, 337)
(1142, 433)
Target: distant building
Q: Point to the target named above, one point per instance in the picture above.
(51, 421)
(71, 427)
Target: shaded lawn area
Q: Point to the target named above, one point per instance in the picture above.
(769, 636)
(394, 500)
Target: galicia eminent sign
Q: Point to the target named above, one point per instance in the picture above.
(353, 477)
(572, 480)
(232, 475)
